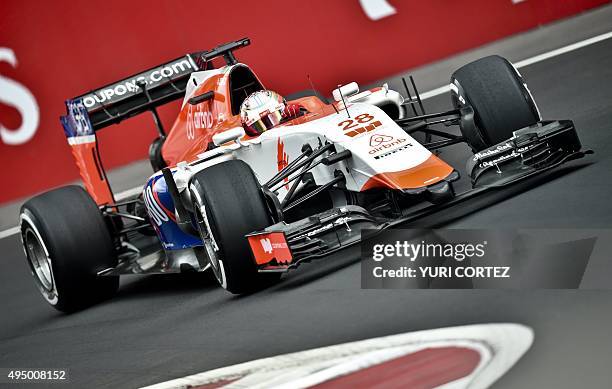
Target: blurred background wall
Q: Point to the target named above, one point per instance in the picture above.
(54, 50)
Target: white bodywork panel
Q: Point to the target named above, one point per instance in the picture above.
(385, 148)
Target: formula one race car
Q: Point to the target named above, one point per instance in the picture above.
(252, 185)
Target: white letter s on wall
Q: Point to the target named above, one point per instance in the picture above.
(18, 96)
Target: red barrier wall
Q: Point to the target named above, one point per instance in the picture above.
(60, 49)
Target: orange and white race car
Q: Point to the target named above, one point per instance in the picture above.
(251, 184)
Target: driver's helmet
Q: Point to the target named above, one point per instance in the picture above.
(261, 111)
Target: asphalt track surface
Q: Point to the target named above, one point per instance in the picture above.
(162, 327)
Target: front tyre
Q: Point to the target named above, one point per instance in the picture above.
(499, 96)
(67, 243)
(228, 204)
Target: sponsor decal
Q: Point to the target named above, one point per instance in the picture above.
(202, 119)
(19, 97)
(504, 157)
(384, 155)
(156, 213)
(266, 245)
(338, 222)
(270, 246)
(76, 123)
(490, 152)
(380, 142)
(378, 139)
(316, 231)
(197, 120)
(497, 160)
(151, 78)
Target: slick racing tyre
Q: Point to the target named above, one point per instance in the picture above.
(228, 204)
(155, 155)
(499, 96)
(67, 243)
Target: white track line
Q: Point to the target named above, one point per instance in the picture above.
(128, 193)
(424, 96)
(563, 50)
(9, 232)
(530, 61)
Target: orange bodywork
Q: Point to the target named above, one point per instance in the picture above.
(186, 140)
(431, 171)
(91, 171)
(195, 125)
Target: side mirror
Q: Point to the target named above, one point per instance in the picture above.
(203, 97)
(347, 90)
(228, 136)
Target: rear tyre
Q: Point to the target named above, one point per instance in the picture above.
(228, 204)
(155, 155)
(499, 96)
(67, 243)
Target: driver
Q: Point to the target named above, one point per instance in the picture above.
(266, 109)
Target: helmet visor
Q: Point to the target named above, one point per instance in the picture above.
(266, 122)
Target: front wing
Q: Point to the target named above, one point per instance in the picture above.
(531, 151)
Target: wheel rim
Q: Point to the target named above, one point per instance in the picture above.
(209, 245)
(39, 261)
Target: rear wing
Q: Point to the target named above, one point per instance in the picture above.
(141, 92)
(115, 102)
(151, 88)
